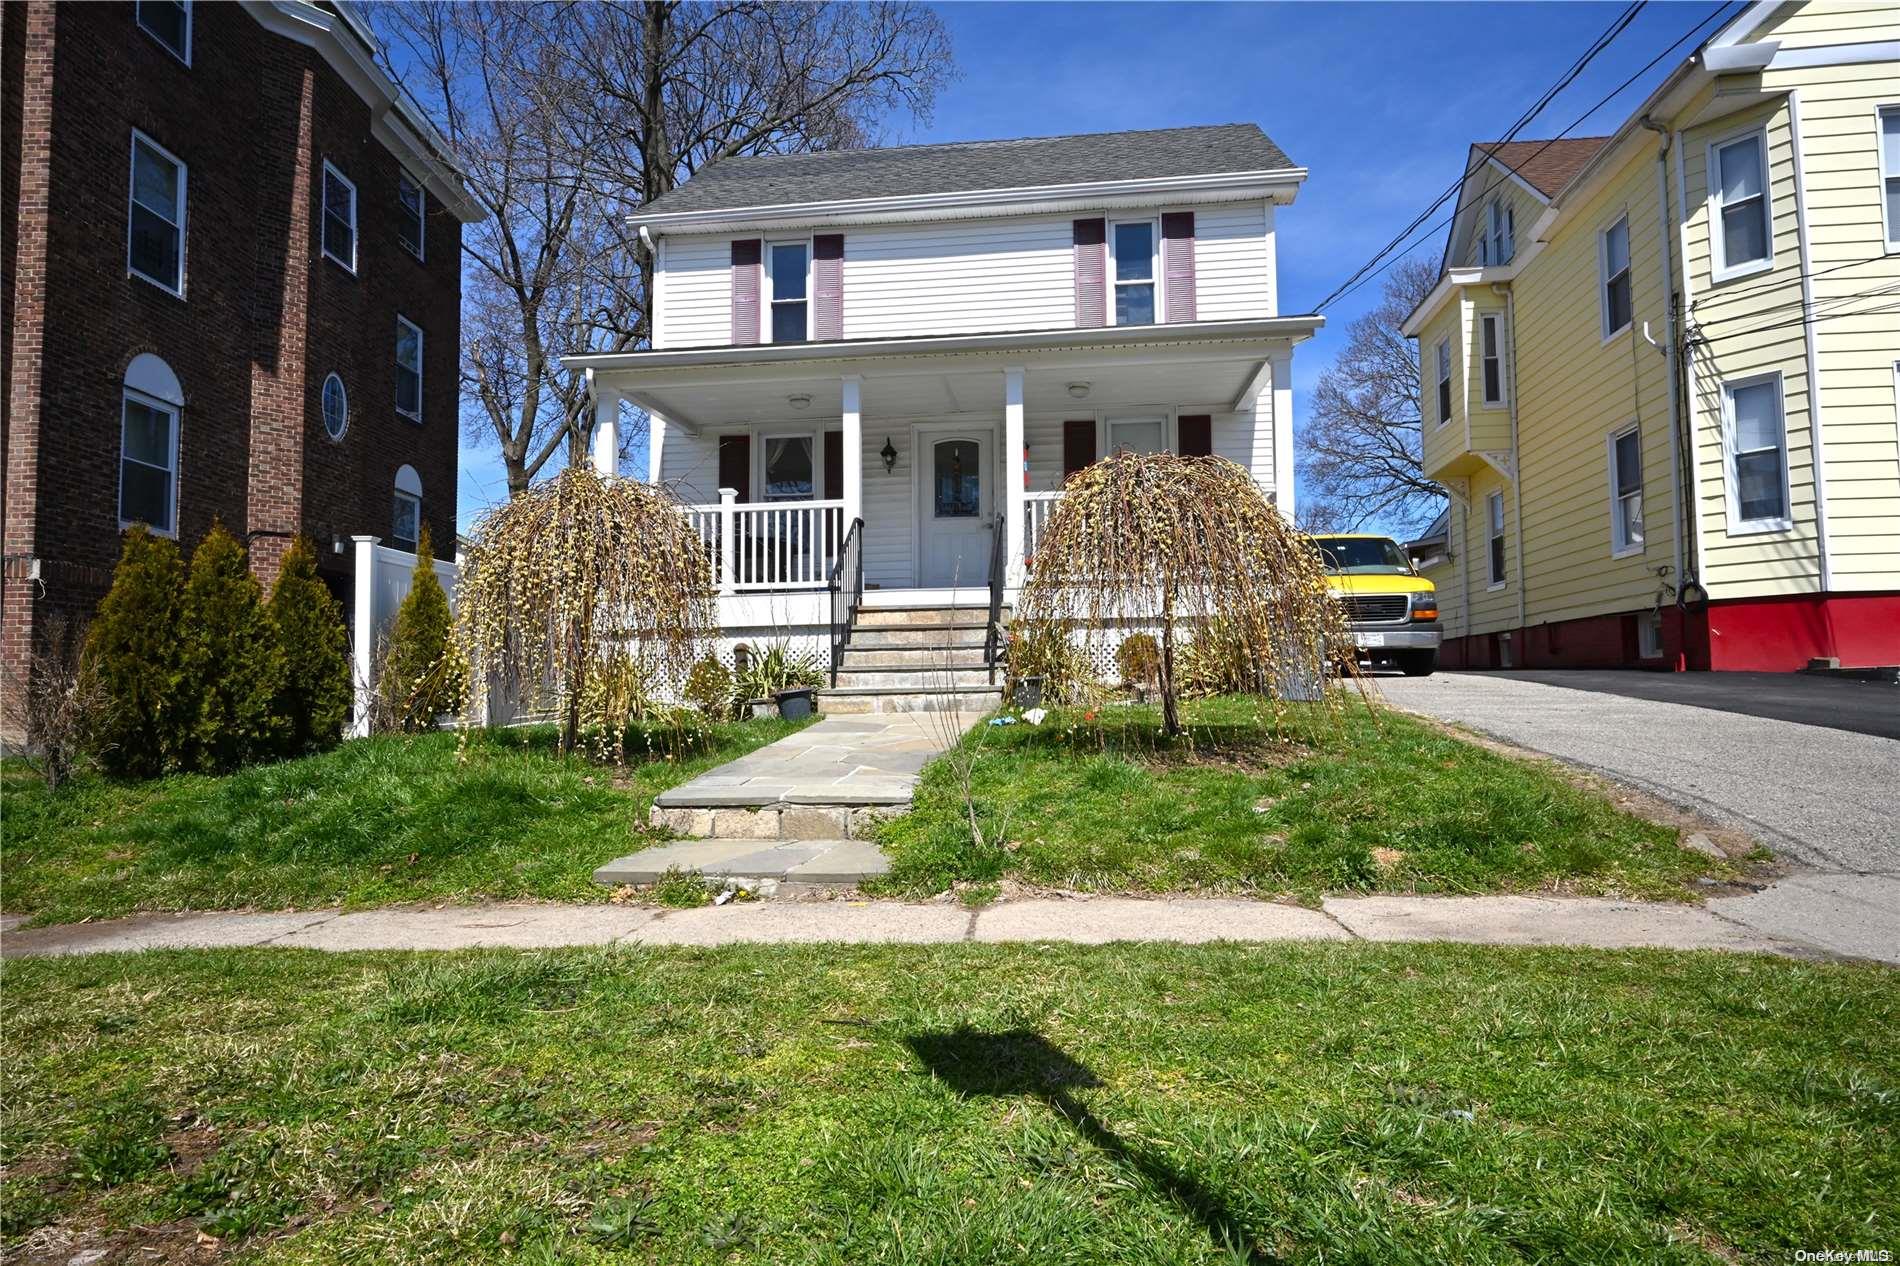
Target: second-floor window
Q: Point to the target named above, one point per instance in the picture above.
(168, 22)
(1133, 243)
(408, 369)
(410, 205)
(787, 271)
(1890, 172)
(339, 217)
(1626, 491)
(155, 231)
(1444, 381)
(1491, 345)
(1614, 255)
(1738, 172)
(1499, 243)
(1758, 442)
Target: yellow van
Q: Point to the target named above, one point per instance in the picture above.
(1391, 609)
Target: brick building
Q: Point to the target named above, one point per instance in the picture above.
(231, 290)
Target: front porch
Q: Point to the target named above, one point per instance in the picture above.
(946, 454)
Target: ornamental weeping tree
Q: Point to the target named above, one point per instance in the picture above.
(587, 588)
(1190, 544)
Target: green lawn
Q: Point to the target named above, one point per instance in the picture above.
(1033, 1104)
(380, 820)
(1368, 801)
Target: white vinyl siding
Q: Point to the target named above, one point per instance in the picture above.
(1010, 273)
(155, 216)
(1626, 491)
(1741, 217)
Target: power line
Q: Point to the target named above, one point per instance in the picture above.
(1832, 301)
(1799, 321)
(1614, 92)
(1616, 27)
(1729, 296)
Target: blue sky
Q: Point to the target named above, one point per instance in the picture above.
(1369, 97)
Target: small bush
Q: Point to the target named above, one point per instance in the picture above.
(1044, 648)
(55, 706)
(313, 700)
(134, 661)
(778, 669)
(1139, 659)
(709, 687)
(420, 680)
(233, 666)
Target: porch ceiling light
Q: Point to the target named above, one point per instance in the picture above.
(1079, 390)
(889, 454)
(799, 402)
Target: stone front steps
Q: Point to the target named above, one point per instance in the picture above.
(765, 868)
(914, 659)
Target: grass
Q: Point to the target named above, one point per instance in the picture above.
(1033, 1104)
(377, 821)
(1373, 802)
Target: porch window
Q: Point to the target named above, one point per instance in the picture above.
(787, 267)
(1613, 257)
(1444, 381)
(1758, 440)
(1494, 516)
(1493, 350)
(788, 468)
(1134, 246)
(1738, 186)
(1626, 492)
(958, 479)
(1137, 435)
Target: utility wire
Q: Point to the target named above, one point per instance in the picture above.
(1616, 27)
(1708, 339)
(1614, 92)
(1729, 296)
(1832, 301)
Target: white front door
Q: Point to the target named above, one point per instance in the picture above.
(954, 505)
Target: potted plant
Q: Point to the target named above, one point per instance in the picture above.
(782, 679)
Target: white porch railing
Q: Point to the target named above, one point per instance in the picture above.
(1038, 509)
(770, 545)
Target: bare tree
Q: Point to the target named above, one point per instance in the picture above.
(1360, 458)
(570, 116)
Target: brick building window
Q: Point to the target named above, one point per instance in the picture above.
(168, 22)
(336, 407)
(411, 203)
(405, 525)
(408, 369)
(155, 216)
(150, 403)
(339, 217)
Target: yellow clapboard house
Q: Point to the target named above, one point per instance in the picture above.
(1660, 369)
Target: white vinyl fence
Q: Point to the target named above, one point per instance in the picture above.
(382, 582)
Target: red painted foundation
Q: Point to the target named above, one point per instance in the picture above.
(1742, 635)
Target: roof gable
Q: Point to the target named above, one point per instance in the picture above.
(972, 166)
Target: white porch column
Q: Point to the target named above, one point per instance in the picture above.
(852, 415)
(656, 441)
(728, 540)
(1282, 363)
(1014, 502)
(363, 631)
(606, 431)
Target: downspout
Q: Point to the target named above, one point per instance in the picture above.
(1517, 457)
(1670, 349)
(1685, 388)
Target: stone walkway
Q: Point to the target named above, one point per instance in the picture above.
(1503, 920)
(862, 759)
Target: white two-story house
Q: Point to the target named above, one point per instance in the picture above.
(872, 370)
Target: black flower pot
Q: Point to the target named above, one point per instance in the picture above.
(794, 705)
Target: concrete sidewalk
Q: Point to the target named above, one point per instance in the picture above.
(1502, 920)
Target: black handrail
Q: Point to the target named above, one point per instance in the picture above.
(993, 634)
(845, 608)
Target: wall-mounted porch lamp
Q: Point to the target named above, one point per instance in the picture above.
(889, 455)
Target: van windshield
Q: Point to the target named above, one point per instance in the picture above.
(1363, 556)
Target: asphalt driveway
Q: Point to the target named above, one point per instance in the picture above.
(1824, 794)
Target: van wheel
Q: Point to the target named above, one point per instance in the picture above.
(1418, 663)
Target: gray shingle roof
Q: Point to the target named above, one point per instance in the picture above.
(780, 179)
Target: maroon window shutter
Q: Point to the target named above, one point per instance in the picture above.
(827, 285)
(1177, 263)
(747, 280)
(1197, 435)
(1078, 445)
(735, 464)
(834, 465)
(1091, 272)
